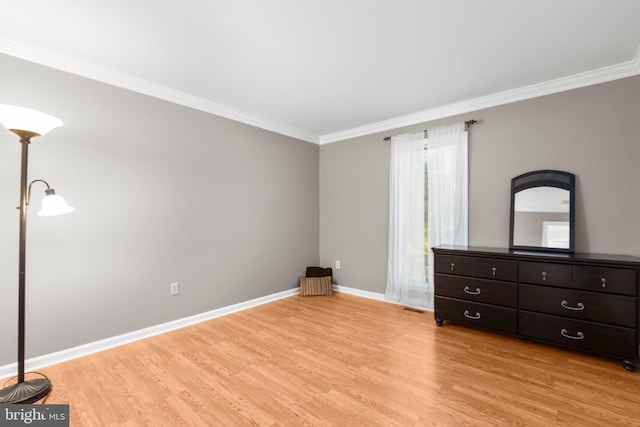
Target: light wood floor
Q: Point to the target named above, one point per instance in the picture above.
(342, 361)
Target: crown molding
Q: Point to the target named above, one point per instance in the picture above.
(102, 74)
(588, 78)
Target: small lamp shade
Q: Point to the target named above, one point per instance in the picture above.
(25, 119)
(53, 205)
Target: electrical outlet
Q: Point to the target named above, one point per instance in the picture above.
(338, 264)
(175, 288)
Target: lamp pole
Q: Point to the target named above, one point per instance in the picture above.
(25, 140)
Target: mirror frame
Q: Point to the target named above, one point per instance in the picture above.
(544, 178)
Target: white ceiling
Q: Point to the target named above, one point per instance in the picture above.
(331, 69)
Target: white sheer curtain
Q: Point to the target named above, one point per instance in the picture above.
(447, 168)
(406, 281)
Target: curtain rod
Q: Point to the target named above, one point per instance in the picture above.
(467, 124)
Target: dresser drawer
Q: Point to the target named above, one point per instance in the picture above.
(496, 269)
(614, 309)
(452, 264)
(595, 337)
(488, 268)
(548, 274)
(611, 280)
(476, 314)
(478, 290)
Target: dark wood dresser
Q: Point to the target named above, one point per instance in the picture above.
(586, 302)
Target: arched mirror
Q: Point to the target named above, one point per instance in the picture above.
(543, 211)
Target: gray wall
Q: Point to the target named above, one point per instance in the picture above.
(593, 132)
(162, 193)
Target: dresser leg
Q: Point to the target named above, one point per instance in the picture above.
(630, 365)
(439, 322)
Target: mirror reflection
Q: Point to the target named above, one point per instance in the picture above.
(542, 211)
(541, 217)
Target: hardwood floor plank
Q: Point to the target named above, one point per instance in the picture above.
(342, 361)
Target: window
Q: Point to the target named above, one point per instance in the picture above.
(427, 207)
(446, 183)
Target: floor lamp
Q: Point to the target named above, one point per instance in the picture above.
(27, 124)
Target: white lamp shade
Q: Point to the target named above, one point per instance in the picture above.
(52, 205)
(21, 118)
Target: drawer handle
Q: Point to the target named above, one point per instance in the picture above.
(579, 335)
(544, 276)
(604, 282)
(467, 314)
(453, 265)
(566, 305)
(470, 292)
(493, 271)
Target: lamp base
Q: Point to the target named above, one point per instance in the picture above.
(25, 392)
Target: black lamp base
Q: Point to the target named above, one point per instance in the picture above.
(25, 392)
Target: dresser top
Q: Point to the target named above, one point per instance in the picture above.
(575, 258)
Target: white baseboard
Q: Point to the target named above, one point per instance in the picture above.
(360, 293)
(107, 343)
